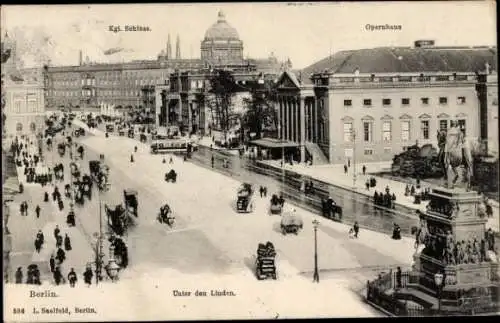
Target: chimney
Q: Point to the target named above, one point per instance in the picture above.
(80, 58)
(178, 48)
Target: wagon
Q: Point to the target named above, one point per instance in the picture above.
(276, 207)
(131, 201)
(265, 265)
(244, 202)
(291, 223)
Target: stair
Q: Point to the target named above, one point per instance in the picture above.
(317, 154)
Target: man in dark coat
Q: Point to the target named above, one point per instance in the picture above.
(87, 276)
(356, 229)
(46, 197)
(56, 231)
(37, 210)
(52, 263)
(58, 275)
(72, 278)
(61, 255)
(67, 243)
(70, 219)
(19, 275)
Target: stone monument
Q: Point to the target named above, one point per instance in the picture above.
(455, 243)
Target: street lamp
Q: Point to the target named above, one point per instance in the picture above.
(354, 158)
(112, 267)
(438, 279)
(316, 272)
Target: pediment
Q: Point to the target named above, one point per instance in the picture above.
(287, 81)
(461, 115)
(347, 119)
(424, 116)
(405, 116)
(443, 116)
(387, 117)
(367, 118)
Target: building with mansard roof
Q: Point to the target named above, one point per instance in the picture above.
(370, 104)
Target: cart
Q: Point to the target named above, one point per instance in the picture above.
(276, 207)
(244, 202)
(166, 215)
(291, 223)
(265, 265)
(171, 176)
(131, 201)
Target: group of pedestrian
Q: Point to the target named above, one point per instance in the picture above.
(263, 191)
(33, 275)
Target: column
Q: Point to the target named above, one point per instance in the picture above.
(285, 114)
(278, 107)
(302, 123)
(316, 125)
(179, 116)
(190, 114)
(292, 118)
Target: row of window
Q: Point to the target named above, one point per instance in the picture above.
(93, 82)
(132, 93)
(395, 79)
(30, 106)
(443, 100)
(367, 135)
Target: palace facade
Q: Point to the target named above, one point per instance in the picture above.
(141, 83)
(371, 104)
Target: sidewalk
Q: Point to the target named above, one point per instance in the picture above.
(334, 175)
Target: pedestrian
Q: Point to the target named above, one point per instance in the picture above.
(213, 160)
(59, 241)
(345, 169)
(21, 187)
(56, 231)
(19, 275)
(349, 162)
(265, 191)
(164, 161)
(72, 278)
(52, 263)
(60, 256)
(364, 170)
(87, 276)
(37, 210)
(261, 191)
(367, 184)
(67, 243)
(21, 208)
(356, 229)
(58, 275)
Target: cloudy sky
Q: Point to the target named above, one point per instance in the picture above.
(303, 32)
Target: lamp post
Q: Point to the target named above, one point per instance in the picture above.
(316, 271)
(438, 279)
(354, 158)
(112, 268)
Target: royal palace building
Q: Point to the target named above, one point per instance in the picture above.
(141, 83)
(371, 104)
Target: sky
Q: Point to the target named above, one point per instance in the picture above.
(304, 32)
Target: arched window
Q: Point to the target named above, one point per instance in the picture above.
(33, 127)
(19, 127)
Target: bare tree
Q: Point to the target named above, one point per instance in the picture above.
(259, 109)
(222, 90)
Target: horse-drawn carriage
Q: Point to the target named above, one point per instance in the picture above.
(171, 176)
(99, 173)
(120, 251)
(131, 202)
(130, 133)
(75, 169)
(61, 149)
(59, 172)
(276, 205)
(143, 138)
(265, 266)
(79, 132)
(291, 222)
(166, 215)
(331, 210)
(244, 202)
(120, 218)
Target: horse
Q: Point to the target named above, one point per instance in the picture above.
(454, 151)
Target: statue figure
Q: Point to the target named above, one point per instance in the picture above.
(468, 252)
(482, 250)
(454, 151)
(460, 254)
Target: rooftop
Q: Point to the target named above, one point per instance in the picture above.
(407, 60)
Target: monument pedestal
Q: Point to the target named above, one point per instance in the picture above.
(456, 245)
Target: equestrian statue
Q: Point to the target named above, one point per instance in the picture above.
(454, 151)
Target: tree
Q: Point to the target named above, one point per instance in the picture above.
(222, 89)
(259, 109)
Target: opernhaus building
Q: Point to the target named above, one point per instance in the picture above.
(372, 103)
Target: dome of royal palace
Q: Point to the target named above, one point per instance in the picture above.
(221, 30)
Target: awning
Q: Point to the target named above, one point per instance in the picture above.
(274, 143)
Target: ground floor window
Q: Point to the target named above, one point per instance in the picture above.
(368, 151)
(405, 130)
(347, 131)
(443, 125)
(19, 127)
(367, 131)
(424, 125)
(33, 127)
(386, 131)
